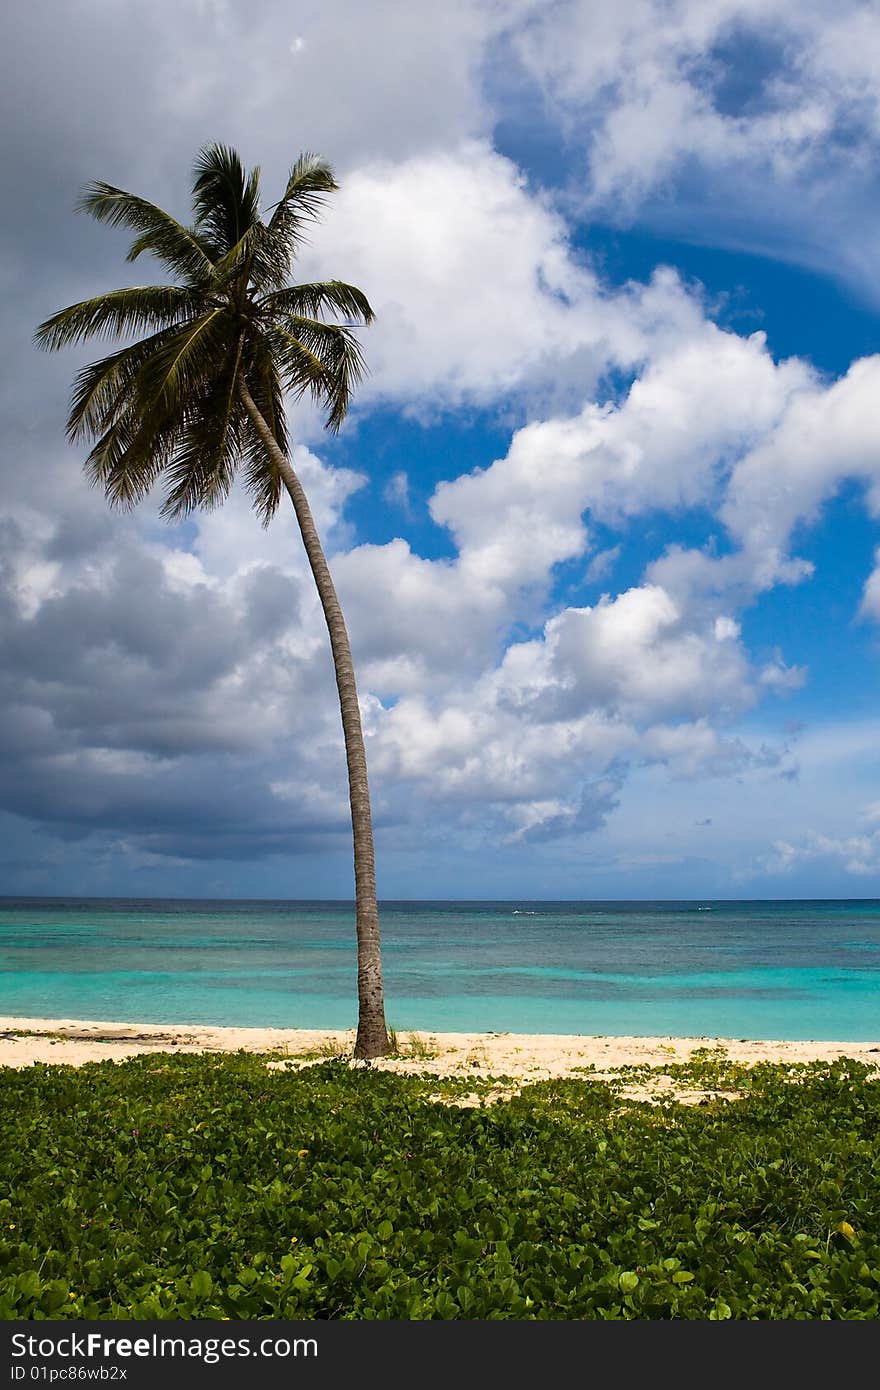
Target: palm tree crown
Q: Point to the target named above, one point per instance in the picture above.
(202, 395)
(171, 403)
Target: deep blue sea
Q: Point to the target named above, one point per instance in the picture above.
(794, 970)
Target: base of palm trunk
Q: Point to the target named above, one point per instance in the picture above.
(372, 1032)
(372, 1038)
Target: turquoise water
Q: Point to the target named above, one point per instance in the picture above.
(794, 970)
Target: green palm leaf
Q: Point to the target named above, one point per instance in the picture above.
(179, 248)
(129, 457)
(183, 362)
(309, 182)
(261, 477)
(101, 389)
(209, 445)
(226, 203)
(323, 359)
(310, 300)
(119, 311)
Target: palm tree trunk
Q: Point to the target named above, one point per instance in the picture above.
(372, 1034)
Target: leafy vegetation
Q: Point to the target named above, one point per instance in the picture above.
(178, 1186)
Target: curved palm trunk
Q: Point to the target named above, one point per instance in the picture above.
(372, 1035)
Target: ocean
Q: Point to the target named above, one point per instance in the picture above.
(791, 970)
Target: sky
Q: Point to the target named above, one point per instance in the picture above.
(603, 517)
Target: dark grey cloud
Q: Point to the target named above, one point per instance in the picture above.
(135, 625)
(164, 713)
(189, 808)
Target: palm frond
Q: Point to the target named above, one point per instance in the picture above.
(302, 372)
(228, 266)
(129, 456)
(324, 360)
(261, 477)
(101, 388)
(184, 362)
(249, 266)
(226, 203)
(311, 300)
(119, 311)
(210, 444)
(309, 182)
(180, 248)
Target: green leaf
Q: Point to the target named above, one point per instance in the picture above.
(118, 311)
(29, 1283)
(179, 248)
(201, 1284)
(55, 1295)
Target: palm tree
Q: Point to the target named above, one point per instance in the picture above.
(201, 396)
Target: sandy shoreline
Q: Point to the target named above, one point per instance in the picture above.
(526, 1056)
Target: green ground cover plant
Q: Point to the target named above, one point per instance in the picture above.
(181, 1186)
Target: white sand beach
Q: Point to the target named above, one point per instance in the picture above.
(522, 1056)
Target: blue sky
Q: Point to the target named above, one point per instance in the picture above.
(604, 517)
